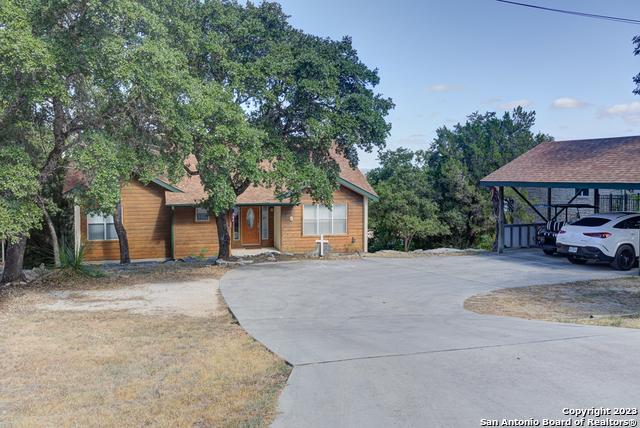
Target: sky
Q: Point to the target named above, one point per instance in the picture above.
(441, 60)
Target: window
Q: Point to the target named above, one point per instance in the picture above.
(101, 228)
(236, 223)
(582, 192)
(265, 223)
(202, 214)
(250, 218)
(320, 220)
(630, 223)
(591, 222)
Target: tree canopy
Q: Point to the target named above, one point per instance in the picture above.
(406, 209)
(451, 169)
(84, 75)
(274, 102)
(128, 89)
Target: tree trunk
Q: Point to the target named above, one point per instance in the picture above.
(122, 235)
(14, 261)
(224, 237)
(407, 243)
(55, 243)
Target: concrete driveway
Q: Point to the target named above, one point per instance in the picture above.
(387, 342)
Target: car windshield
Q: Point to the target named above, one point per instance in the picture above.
(591, 222)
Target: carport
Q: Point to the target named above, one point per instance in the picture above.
(602, 163)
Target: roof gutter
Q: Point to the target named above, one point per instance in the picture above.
(560, 185)
(166, 185)
(358, 189)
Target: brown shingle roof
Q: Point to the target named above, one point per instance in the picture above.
(601, 162)
(352, 175)
(73, 178)
(194, 193)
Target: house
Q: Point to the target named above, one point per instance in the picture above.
(164, 220)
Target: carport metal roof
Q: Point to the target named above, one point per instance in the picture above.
(601, 163)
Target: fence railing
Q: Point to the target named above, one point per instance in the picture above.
(610, 203)
(521, 235)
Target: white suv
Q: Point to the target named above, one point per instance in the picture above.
(610, 237)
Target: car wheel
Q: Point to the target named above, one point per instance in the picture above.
(625, 258)
(576, 261)
(549, 252)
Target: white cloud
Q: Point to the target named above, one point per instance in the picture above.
(441, 87)
(491, 101)
(629, 112)
(513, 104)
(567, 103)
(412, 140)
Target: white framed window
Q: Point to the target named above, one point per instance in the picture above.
(202, 214)
(236, 223)
(101, 228)
(320, 220)
(264, 223)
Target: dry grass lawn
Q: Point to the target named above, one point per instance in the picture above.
(610, 302)
(115, 368)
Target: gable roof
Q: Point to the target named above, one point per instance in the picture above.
(609, 163)
(192, 190)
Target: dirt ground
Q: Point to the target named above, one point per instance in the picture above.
(132, 349)
(611, 302)
(196, 298)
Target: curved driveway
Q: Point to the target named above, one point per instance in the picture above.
(386, 342)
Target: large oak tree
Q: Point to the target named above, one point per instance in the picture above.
(74, 73)
(273, 103)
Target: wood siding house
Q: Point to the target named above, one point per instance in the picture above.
(165, 221)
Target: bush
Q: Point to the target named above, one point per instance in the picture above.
(73, 261)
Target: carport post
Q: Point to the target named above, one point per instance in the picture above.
(500, 220)
(549, 203)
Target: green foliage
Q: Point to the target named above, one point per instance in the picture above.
(521, 212)
(406, 209)
(636, 51)
(435, 193)
(18, 188)
(461, 156)
(72, 261)
(98, 83)
(128, 89)
(276, 101)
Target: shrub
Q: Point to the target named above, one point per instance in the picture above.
(74, 261)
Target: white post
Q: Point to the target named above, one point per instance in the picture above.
(77, 230)
(365, 237)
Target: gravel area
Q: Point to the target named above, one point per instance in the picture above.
(197, 298)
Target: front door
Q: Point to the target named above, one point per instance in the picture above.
(250, 225)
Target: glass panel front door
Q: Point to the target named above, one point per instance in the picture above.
(250, 226)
